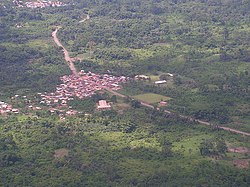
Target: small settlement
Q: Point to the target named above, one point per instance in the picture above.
(82, 86)
(38, 4)
(6, 108)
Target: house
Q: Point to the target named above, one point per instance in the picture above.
(160, 82)
(163, 103)
(170, 74)
(15, 111)
(103, 105)
(141, 77)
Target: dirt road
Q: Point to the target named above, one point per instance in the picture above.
(66, 53)
(88, 17)
(70, 61)
(182, 116)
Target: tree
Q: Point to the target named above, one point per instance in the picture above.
(221, 146)
(113, 99)
(206, 147)
(213, 147)
(135, 104)
(167, 148)
(7, 143)
(129, 127)
(165, 77)
(9, 159)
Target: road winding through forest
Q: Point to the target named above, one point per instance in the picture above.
(182, 116)
(70, 62)
(66, 53)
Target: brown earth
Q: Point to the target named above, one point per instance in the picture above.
(239, 150)
(243, 164)
(60, 153)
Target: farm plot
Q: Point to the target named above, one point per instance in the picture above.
(151, 98)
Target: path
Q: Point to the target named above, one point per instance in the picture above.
(88, 17)
(69, 60)
(182, 116)
(66, 53)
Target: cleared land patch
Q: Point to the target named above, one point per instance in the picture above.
(60, 153)
(190, 145)
(243, 164)
(151, 98)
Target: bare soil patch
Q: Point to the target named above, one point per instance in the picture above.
(239, 150)
(243, 164)
(60, 153)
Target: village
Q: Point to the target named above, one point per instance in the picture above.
(38, 4)
(75, 86)
(81, 86)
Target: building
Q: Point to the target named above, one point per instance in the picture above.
(163, 103)
(160, 82)
(141, 77)
(170, 74)
(103, 105)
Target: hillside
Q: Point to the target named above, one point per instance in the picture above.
(164, 128)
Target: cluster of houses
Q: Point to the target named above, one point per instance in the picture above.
(6, 108)
(63, 113)
(159, 82)
(82, 86)
(38, 4)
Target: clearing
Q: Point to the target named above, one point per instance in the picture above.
(60, 153)
(151, 98)
(243, 164)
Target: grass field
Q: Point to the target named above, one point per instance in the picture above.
(154, 77)
(151, 98)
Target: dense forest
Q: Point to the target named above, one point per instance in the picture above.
(203, 44)
(140, 147)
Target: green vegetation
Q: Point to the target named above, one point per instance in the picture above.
(205, 44)
(151, 98)
(139, 147)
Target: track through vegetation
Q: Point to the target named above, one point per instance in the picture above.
(182, 116)
(69, 60)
